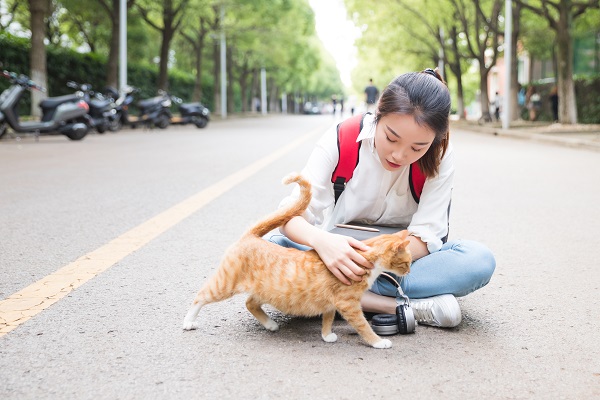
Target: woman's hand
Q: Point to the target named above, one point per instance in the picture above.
(339, 255)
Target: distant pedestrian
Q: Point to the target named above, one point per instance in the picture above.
(521, 100)
(371, 96)
(534, 103)
(497, 102)
(334, 102)
(256, 104)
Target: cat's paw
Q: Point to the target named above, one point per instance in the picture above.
(271, 325)
(332, 337)
(383, 344)
(189, 325)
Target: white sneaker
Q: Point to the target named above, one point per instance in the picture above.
(442, 311)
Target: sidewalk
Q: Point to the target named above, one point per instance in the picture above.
(580, 135)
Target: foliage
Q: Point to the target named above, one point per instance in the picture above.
(401, 35)
(15, 53)
(65, 65)
(586, 92)
(278, 35)
(588, 101)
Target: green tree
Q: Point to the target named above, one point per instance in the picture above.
(480, 21)
(85, 24)
(113, 11)
(196, 32)
(8, 17)
(426, 28)
(166, 17)
(560, 15)
(38, 10)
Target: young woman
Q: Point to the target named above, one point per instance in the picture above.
(410, 125)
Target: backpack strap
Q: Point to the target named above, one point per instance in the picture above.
(416, 181)
(348, 150)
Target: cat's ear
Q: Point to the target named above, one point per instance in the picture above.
(402, 234)
(401, 245)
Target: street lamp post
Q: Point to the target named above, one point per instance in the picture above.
(223, 67)
(507, 65)
(263, 91)
(123, 43)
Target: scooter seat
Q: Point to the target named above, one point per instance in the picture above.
(189, 108)
(99, 104)
(53, 102)
(150, 102)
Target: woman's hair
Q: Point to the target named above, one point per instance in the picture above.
(425, 96)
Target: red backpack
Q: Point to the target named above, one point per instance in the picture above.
(348, 148)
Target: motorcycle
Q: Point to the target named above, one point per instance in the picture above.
(63, 115)
(122, 100)
(102, 110)
(154, 111)
(190, 113)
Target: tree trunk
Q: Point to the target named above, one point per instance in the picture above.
(483, 87)
(243, 82)
(273, 94)
(254, 92)
(515, 113)
(567, 109)
(229, 72)
(163, 74)
(199, 47)
(460, 97)
(112, 65)
(216, 74)
(37, 56)
(457, 71)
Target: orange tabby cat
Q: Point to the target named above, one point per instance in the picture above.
(297, 282)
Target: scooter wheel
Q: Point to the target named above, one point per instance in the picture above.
(115, 126)
(201, 122)
(3, 130)
(163, 121)
(76, 135)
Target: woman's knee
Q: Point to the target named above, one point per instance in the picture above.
(480, 262)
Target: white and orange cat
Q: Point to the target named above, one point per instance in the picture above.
(297, 282)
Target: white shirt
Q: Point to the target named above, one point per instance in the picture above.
(375, 195)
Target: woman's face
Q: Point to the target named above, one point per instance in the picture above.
(400, 141)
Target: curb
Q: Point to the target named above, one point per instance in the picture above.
(573, 140)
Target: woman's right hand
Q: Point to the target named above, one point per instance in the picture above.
(339, 254)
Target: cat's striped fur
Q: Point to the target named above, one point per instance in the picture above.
(297, 282)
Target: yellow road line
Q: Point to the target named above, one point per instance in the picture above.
(30, 301)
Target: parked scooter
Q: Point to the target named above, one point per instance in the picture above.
(102, 110)
(122, 101)
(64, 114)
(190, 113)
(154, 111)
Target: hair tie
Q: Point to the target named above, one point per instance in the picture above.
(430, 72)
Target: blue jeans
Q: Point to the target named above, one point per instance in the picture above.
(459, 268)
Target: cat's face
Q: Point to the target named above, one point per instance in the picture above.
(400, 263)
(394, 253)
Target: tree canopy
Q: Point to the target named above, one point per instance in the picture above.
(468, 36)
(183, 37)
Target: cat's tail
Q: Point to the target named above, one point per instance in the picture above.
(283, 215)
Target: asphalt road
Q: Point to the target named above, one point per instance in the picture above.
(532, 333)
